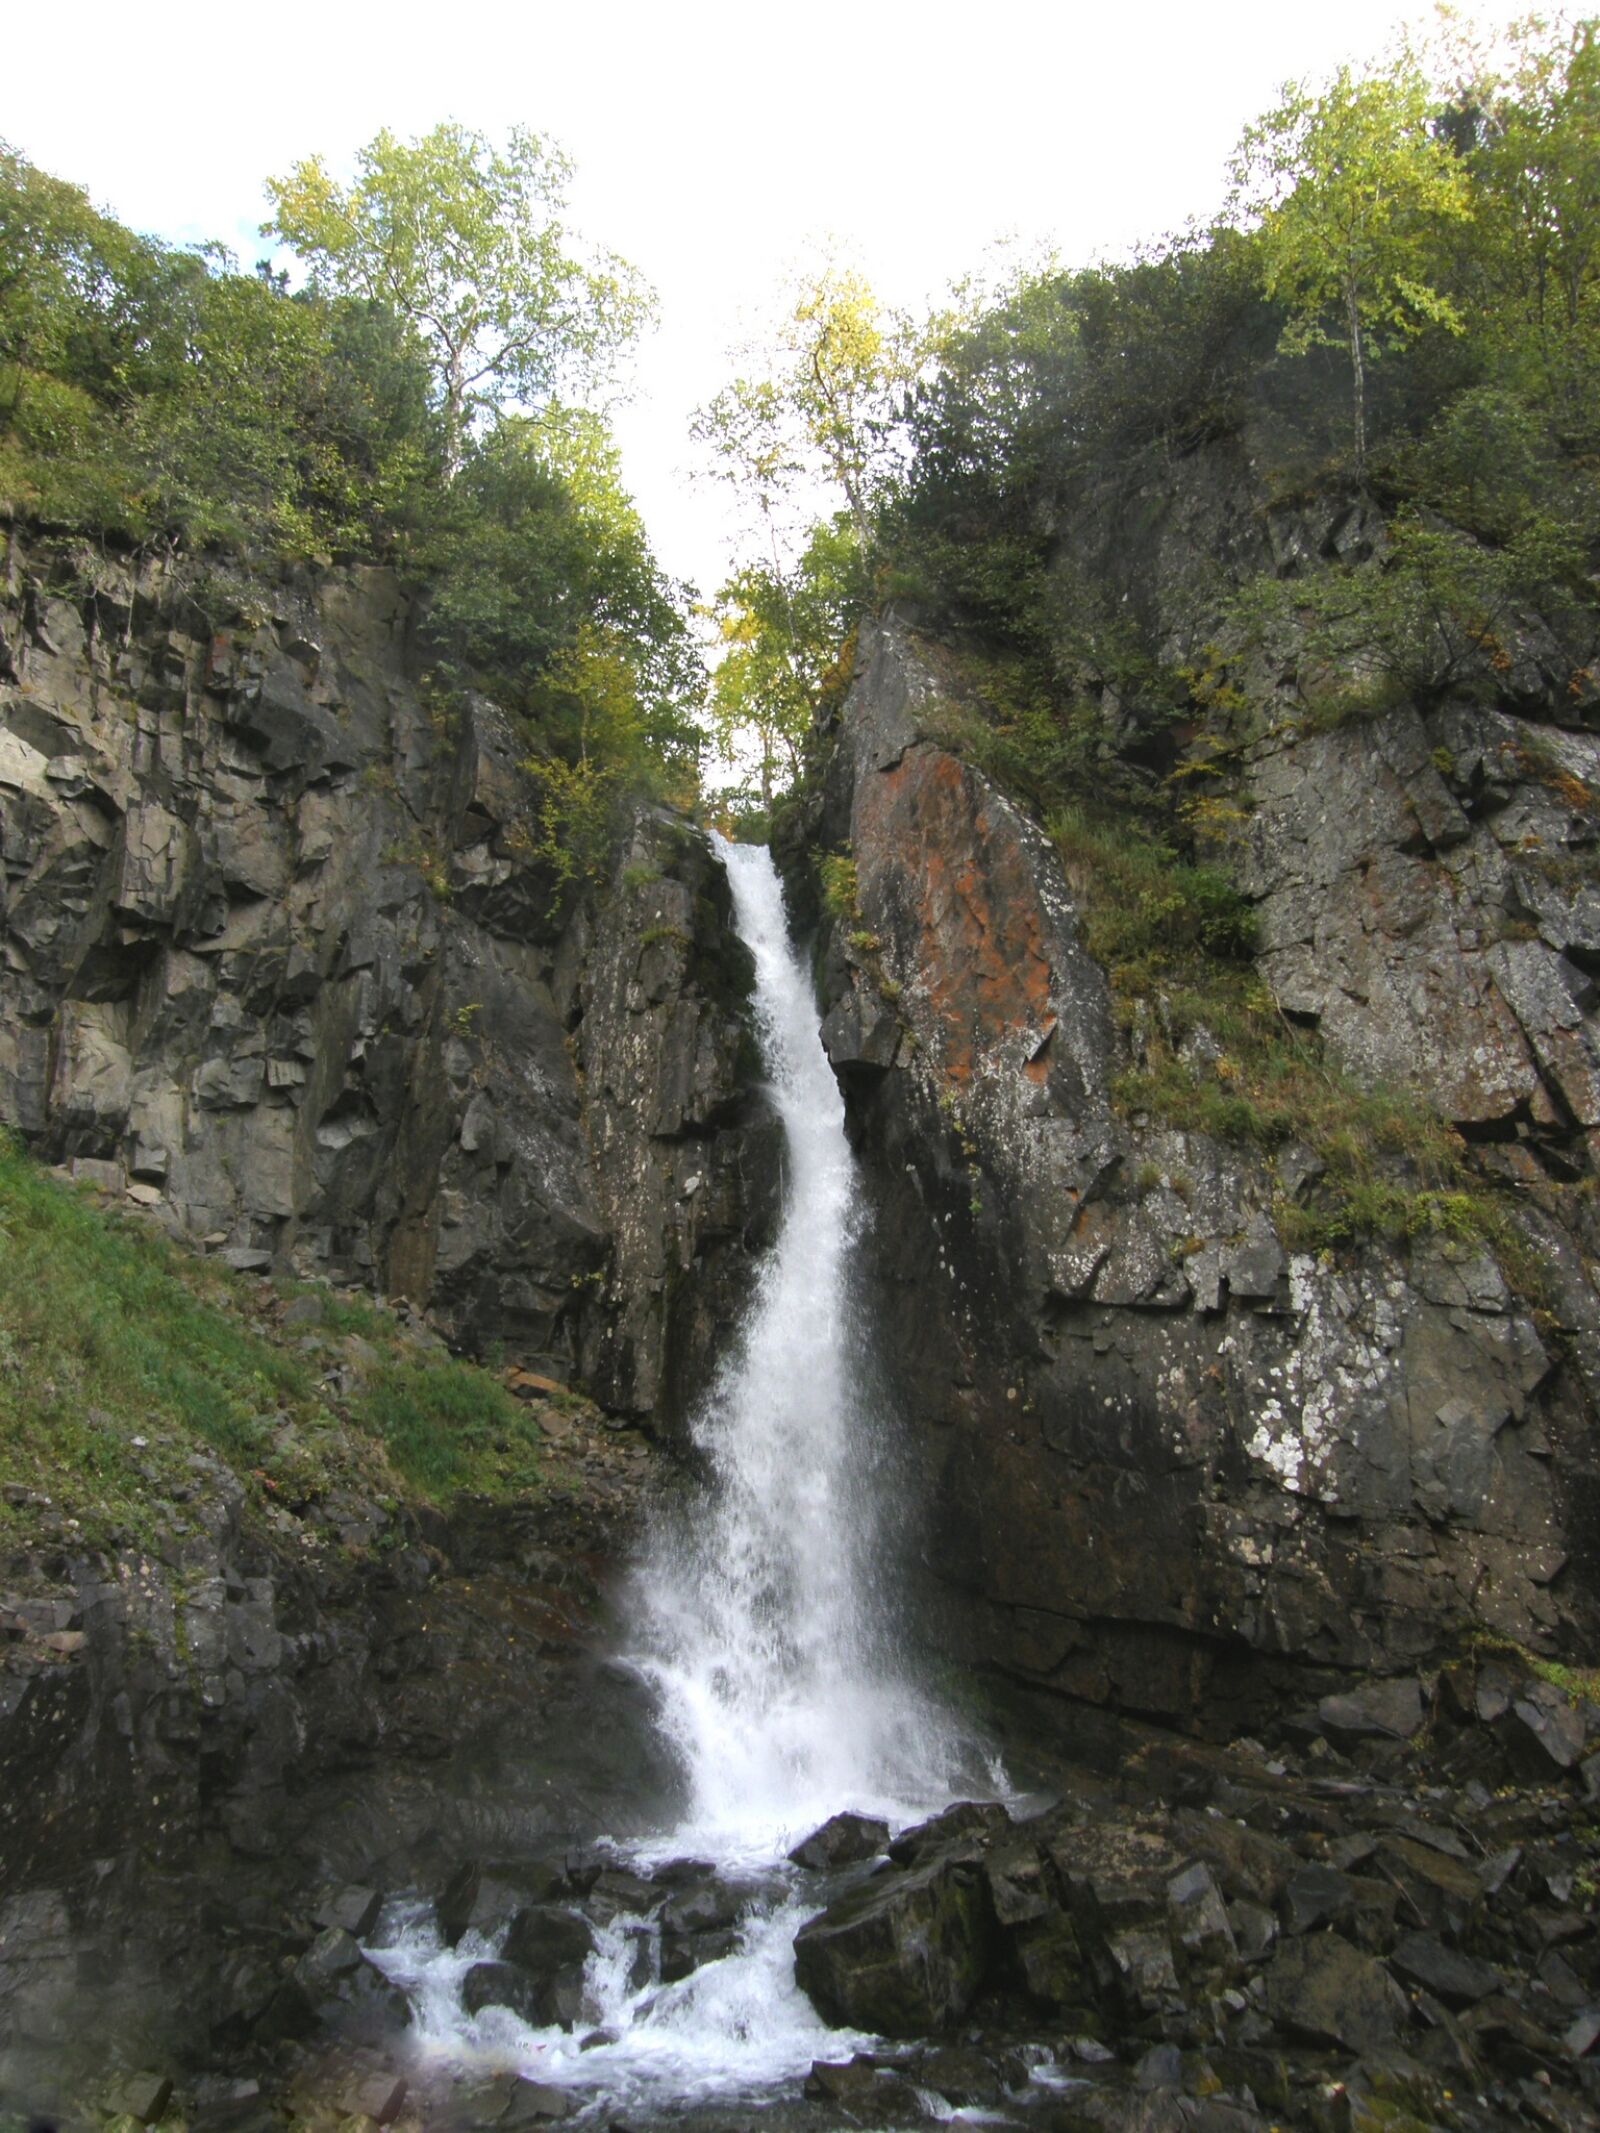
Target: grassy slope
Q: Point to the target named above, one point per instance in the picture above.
(121, 1356)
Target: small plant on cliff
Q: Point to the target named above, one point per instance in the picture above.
(840, 886)
(1142, 899)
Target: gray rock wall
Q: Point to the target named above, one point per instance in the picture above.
(278, 947)
(1177, 1464)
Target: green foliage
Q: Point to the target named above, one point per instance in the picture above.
(1426, 242)
(1432, 615)
(1143, 899)
(107, 1335)
(816, 402)
(1348, 187)
(450, 1428)
(1051, 402)
(463, 243)
(839, 886)
(781, 633)
(120, 1355)
(164, 400)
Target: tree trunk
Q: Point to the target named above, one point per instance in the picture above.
(455, 418)
(1358, 379)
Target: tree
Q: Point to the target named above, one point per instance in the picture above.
(465, 243)
(819, 403)
(1529, 133)
(780, 638)
(1350, 187)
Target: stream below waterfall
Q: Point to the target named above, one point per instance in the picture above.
(763, 1616)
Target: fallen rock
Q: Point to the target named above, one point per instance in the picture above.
(1385, 1709)
(841, 1841)
(846, 2081)
(966, 1825)
(1322, 1989)
(959, 2074)
(502, 1985)
(903, 1955)
(482, 1899)
(353, 1910)
(1457, 1979)
(142, 2097)
(1542, 1732)
(380, 2098)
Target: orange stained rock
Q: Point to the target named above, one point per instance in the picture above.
(982, 952)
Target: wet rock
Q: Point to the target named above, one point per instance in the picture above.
(531, 2103)
(344, 1989)
(846, 2081)
(503, 1985)
(546, 1938)
(684, 1953)
(616, 1893)
(379, 2098)
(1322, 1989)
(709, 1906)
(482, 1899)
(959, 2074)
(959, 1828)
(841, 1841)
(903, 1955)
(352, 1910)
(549, 1946)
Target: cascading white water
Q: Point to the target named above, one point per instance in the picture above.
(768, 1629)
(763, 1621)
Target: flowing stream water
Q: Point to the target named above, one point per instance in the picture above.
(765, 1618)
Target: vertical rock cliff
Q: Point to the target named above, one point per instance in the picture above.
(1179, 1465)
(282, 960)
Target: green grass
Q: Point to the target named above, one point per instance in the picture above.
(121, 1355)
(1579, 1684)
(450, 1427)
(1215, 1056)
(1143, 899)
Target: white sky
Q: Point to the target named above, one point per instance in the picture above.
(712, 139)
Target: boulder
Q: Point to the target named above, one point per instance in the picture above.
(903, 1955)
(1459, 1980)
(841, 1841)
(483, 1899)
(1323, 1990)
(502, 1985)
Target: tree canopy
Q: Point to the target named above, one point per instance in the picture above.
(160, 399)
(464, 242)
(1350, 183)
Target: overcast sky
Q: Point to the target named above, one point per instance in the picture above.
(711, 139)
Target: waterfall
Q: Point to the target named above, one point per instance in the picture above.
(768, 1625)
(765, 1620)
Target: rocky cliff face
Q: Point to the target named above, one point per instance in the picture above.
(1177, 1463)
(280, 950)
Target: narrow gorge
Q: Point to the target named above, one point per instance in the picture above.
(819, 1355)
(571, 1804)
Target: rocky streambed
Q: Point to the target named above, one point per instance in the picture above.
(1383, 1918)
